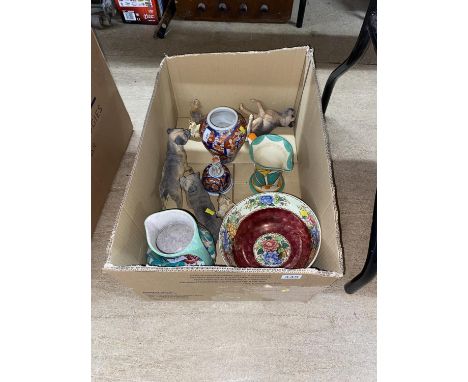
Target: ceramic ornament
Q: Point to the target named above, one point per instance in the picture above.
(195, 111)
(195, 118)
(199, 201)
(174, 166)
(194, 129)
(224, 205)
(223, 132)
(271, 154)
(274, 232)
(216, 178)
(249, 125)
(266, 120)
(272, 237)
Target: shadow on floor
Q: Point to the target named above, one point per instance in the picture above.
(195, 37)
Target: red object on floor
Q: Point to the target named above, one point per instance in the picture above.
(140, 11)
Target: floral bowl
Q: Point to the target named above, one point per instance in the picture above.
(268, 200)
(274, 238)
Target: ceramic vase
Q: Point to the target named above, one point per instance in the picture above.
(271, 154)
(216, 178)
(223, 132)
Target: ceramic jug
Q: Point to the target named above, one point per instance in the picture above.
(161, 223)
(223, 132)
(271, 154)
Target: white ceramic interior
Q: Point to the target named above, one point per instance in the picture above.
(222, 118)
(271, 154)
(159, 220)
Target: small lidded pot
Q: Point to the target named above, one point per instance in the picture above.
(223, 132)
(216, 178)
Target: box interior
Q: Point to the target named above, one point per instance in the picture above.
(280, 79)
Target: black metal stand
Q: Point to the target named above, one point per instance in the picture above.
(300, 13)
(161, 28)
(370, 267)
(368, 33)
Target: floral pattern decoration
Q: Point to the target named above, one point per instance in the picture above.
(260, 201)
(272, 250)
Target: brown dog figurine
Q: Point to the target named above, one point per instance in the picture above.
(199, 201)
(266, 120)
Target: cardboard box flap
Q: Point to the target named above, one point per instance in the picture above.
(316, 173)
(142, 192)
(229, 79)
(111, 129)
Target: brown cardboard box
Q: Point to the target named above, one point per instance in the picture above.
(111, 130)
(280, 78)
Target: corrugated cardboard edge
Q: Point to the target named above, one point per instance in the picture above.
(108, 266)
(127, 187)
(101, 53)
(339, 242)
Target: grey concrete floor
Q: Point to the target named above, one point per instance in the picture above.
(331, 338)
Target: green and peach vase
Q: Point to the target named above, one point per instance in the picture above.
(271, 154)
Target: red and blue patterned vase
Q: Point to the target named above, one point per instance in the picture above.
(216, 178)
(223, 132)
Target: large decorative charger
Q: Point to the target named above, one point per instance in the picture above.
(270, 230)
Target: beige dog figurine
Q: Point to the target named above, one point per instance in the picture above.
(174, 166)
(266, 120)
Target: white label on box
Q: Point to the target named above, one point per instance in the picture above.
(135, 3)
(291, 277)
(129, 16)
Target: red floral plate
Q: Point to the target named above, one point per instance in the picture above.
(272, 237)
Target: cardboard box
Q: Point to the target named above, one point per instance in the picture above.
(111, 129)
(280, 78)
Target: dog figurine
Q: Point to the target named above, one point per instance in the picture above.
(199, 201)
(266, 120)
(174, 166)
(224, 205)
